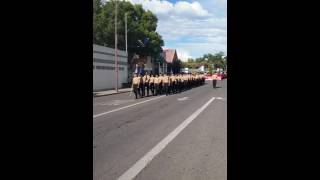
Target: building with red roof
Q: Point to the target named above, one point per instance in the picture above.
(170, 56)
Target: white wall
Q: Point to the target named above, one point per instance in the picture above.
(104, 79)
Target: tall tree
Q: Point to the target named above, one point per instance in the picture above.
(141, 33)
(96, 10)
(142, 36)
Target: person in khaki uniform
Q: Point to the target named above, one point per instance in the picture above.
(141, 86)
(180, 83)
(151, 84)
(185, 81)
(192, 80)
(177, 83)
(189, 81)
(165, 80)
(197, 80)
(203, 78)
(161, 84)
(214, 80)
(156, 82)
(172, 83)
(143, 89)
(135, 85)
(145, 80)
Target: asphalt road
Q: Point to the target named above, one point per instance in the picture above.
(125, 130)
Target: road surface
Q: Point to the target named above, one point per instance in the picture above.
(176, 137)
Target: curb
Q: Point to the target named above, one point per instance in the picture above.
(96, 94)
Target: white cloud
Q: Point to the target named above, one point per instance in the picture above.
(184, 8)
(183, 55)
(193, 28)
(166, 8)
(156, 6)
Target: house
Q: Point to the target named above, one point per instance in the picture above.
(171, 58)
(165, 62)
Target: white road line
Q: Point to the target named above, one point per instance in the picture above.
(101, 114)
(183, 99)
(132, 172)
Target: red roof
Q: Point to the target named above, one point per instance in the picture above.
(170, 55)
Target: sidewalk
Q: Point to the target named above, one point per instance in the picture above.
(110, 92)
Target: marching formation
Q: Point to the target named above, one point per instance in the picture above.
(155, 84)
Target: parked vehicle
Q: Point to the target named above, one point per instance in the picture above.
(222, 75)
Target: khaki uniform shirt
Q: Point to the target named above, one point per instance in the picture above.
(177, 78)
(185, 78)
(146, 79)
(165, 79)
(181, 78)
(160, 79)
(172, 78)
(156, 80)
(136, 80)
(151, 80)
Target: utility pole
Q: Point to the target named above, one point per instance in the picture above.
(126, 36)
(125, 20)
(116, 44)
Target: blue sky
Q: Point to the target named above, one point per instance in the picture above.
(193, 27)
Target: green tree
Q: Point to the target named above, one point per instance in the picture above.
(190, 60)
(96, 10)
(210, 69)
(184, 64)
(200, 60)
(141, 27)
